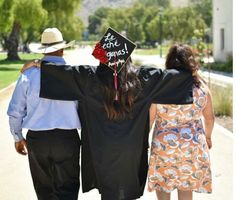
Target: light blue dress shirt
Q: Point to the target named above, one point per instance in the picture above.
(27, 110)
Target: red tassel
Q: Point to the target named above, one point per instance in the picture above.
(115, 82)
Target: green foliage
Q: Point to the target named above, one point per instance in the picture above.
(180, 29)
(23, 12)
(223, 67)
(204, 8)
(26, 12)
(229, 61)
(57, 6)
(30, 34)
(6, 19)
(35, 15)
(62, 14)
(142, 22)
(175, 27)
(222, 100)
(95, 20)
(134, 23)
(135, 32)
(128, 21)
(199, 46)
(159, 3)
(116, 19)
(154, 29)
(25, 20)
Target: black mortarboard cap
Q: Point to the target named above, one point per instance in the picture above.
(113, 50)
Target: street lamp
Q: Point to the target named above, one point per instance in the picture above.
(160, 27)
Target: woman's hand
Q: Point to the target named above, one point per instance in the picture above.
(209, 142)
(29, 64)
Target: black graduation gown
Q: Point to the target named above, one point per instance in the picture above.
(114, 153)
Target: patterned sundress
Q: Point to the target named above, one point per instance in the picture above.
(179, 155)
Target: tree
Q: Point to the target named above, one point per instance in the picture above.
(6, 8)
(136, 22)
(27, 19)
(204, 8)
(157, 3)
(178, 28)
(128, 20)
(153, 27)
(20, 15)
(151, 14)
(63, 16)
(96, 20)
(117, 19)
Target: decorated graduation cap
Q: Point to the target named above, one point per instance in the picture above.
(113, 50)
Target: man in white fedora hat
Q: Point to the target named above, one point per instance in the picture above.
(52, 140)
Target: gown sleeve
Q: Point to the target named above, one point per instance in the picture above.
(63, 82)
(167, 86)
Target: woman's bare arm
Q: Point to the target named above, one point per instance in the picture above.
(208, 118)
(152, 114)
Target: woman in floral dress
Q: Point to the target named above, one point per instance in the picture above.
(182, 137)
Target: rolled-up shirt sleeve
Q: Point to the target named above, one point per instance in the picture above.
(17, 107)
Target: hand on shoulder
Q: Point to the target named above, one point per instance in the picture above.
(30, 64)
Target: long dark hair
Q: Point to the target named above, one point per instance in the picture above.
(181, 56)
(129, 86)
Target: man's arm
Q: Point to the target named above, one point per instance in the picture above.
(62, 82)
(17, 111)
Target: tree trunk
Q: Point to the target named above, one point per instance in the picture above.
(12, 42)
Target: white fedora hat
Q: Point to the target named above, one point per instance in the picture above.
(51, 41)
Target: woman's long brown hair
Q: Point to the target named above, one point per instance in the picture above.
(129, 86)
(181, 56)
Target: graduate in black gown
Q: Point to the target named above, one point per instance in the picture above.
(114, 114)
(115, 140)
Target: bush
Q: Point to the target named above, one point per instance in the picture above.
(222, 100)
(223, 67)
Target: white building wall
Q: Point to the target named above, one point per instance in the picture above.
(222, 22)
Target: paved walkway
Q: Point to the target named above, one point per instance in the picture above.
(16, 183)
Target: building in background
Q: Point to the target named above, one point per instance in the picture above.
(222, 29)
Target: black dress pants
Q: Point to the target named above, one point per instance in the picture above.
(54, 163)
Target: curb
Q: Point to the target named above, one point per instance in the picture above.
(8, 87)
(224, 131)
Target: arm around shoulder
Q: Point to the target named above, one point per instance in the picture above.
(63, 82)
(174, 87)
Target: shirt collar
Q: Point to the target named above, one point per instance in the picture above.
(55, 59)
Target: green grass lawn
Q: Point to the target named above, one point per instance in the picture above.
(10, 70)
